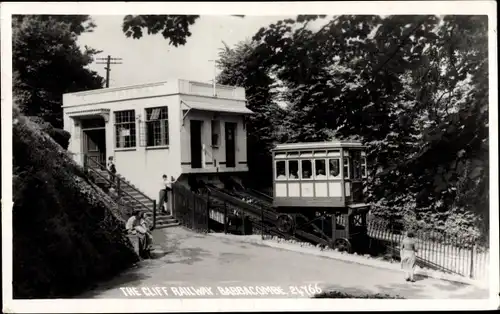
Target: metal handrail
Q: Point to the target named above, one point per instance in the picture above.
(119, 178)
(124, 192)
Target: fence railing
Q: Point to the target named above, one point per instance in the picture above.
(191, 209)
(444, 252)
(117, 182)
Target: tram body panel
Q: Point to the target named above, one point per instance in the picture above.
(321, 185)
(312, 175)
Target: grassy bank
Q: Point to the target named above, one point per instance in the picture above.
(67, 234)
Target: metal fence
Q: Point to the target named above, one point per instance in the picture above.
(436, 250)
(192, 210)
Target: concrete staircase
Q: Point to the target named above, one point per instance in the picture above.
(134, 198)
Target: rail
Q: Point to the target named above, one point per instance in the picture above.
(263, 196)
(268, 216)
(117, 185)
(120, 178)
(191, 209)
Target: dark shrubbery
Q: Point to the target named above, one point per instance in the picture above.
(66, 234)
(60, 136)
(344, 295)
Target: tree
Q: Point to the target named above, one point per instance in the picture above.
(47, 62)
(175, 28)
(240, 67)
(172, 27)
(410, 87)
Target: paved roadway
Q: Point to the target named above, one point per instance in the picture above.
(200, 260)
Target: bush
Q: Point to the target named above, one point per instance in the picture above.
(67, 234)
(344, 295)
(60, 136)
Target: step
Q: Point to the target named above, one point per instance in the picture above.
(162, 219)
(137, 200)
(170, 225)
(135, 193)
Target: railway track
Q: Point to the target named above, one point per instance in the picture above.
(258, 207)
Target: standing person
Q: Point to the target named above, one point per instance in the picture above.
(111, 169)
(163, 193)
(409, 256)
(169, 194)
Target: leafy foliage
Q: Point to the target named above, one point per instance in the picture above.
(65, 235)
(343, 295)
(240, 68)
(47, 62)
(60, 136)
(414, 89)
(173, 27)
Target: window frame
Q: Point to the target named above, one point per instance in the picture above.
(346, 163)
(364, 168)
(162, 121)
(324, 168)
(132, 123)
(302, 171)
(298, 169)
(339, 175)
(217, 123)
(276, 170)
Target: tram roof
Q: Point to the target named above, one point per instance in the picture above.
(319, 145)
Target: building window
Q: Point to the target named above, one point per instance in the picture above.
(157, 126)
(125, 128)
(215, 133)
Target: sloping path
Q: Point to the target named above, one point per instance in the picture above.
(200, 260)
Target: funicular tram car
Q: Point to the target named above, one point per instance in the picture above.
(319, 187)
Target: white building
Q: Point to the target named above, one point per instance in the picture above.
(174, 127)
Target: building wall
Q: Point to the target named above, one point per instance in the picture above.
(142, 166)
(213, 154)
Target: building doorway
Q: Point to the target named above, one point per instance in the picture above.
(230, 130)
(196, 149)
(94, 140)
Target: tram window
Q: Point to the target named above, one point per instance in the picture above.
(280, 170)
(346, 167)
(306, 169)
(320, 166)
(363, 167)
(356, 169)
(356, 165)
(293, 169)
(334, 168)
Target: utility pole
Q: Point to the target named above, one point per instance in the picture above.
(108, 63)
(215, 76)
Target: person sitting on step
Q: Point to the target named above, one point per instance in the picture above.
(138, 226)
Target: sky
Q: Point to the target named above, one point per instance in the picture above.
(152, 59)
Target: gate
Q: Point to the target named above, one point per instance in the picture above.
(191, 209)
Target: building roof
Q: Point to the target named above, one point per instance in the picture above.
(219, 107)
(318, 145)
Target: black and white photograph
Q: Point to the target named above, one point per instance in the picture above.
(253, 156)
